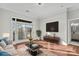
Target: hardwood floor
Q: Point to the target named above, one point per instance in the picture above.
(61, 50)
(57, 49)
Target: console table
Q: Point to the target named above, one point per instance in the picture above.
(52, 39)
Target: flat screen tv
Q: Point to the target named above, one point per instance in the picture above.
(52, 27)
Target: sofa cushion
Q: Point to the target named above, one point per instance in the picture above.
(7, 41)
(1, 49)
(11, 49)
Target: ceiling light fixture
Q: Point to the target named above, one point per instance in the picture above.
(39, 4)
(27, 11)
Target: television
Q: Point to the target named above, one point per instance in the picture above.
(52, 26)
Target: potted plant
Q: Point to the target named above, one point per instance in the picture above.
(38, 32)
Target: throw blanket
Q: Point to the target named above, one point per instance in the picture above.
(3, 53)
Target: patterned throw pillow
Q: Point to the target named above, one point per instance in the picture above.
(7, 41)
(2, 44)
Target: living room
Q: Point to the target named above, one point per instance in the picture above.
(47, 25)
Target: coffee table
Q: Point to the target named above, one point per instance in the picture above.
(33, 49)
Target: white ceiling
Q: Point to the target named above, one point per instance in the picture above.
(36, 11)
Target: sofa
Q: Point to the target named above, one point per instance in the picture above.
(7, 47)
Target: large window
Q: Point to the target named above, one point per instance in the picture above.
(21, 29)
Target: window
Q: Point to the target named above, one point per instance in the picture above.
(21, 29)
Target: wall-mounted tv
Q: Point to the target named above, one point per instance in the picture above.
(52, 26)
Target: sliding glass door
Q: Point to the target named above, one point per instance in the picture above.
(21, 30)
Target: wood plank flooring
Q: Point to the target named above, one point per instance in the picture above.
(61, 50)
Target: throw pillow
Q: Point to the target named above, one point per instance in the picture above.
(7, 41)
(2, 44)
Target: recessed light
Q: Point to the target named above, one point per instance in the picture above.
(39, 3)
(27, 11)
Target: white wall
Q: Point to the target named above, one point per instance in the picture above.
(62, 19)
(73, 14)
(1, 22)
(5, 21)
